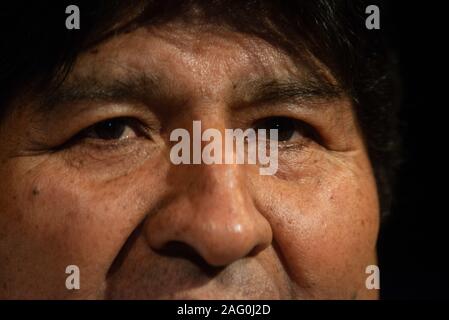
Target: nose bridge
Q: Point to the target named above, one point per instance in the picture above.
(223, 199)
(212, 212)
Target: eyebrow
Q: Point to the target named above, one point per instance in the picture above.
(132, 87)
(143, 87)
(293, 90)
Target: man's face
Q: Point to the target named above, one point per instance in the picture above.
(109, 200)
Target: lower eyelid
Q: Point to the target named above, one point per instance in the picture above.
(110, 144)
(106, 159)
(299, 145)
(100, 151)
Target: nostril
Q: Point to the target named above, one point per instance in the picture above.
(178, 249)
(256, 250)
(181, 250)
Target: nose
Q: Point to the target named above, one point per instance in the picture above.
(212, 212)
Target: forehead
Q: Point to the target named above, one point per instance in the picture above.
(208, 56)
(178, 64)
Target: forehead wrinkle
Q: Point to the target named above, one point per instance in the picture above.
(212, 53)
(260, 66)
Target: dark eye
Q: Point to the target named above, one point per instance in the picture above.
(287, 128)
(112, 129)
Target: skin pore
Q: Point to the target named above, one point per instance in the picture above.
(75, 191)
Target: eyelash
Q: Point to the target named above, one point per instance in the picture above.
(305, 130)
(136, 126)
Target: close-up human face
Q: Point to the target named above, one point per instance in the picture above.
(87, 178)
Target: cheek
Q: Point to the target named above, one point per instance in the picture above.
(67, 217)
(325, 225)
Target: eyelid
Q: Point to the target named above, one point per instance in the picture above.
(136, 125)
(79, 137)
(301, 127)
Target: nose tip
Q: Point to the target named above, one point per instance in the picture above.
(218, 243)
(216, 219)
(227, 244)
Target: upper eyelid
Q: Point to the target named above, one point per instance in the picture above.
(300, 125)
(134, 123)
(296, 111)
(98, 114)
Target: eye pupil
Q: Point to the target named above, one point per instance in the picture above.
(109, 129)
(286, 127)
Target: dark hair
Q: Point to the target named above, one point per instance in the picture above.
(37, 50)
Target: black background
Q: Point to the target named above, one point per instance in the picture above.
(413, 244)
